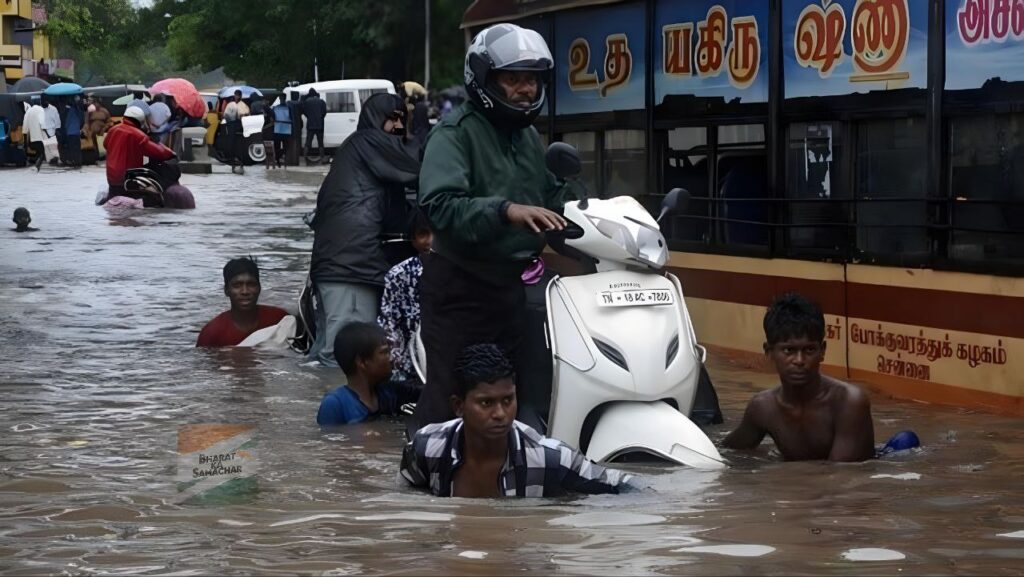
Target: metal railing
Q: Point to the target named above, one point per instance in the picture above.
(938, 238)
(950, 204)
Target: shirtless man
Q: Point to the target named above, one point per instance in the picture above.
(810, 416)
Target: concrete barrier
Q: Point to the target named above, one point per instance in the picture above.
(196, 167)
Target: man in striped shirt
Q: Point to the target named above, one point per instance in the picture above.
(485, 452)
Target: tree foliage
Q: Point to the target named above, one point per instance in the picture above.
(269, 42)
(89, 26)
(110, 40)
(265, 42)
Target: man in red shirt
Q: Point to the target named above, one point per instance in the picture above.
(242, 287)
(126, 146)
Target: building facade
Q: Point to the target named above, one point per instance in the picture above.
(25, 49)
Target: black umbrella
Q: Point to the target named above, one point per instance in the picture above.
(11, 107)
(30, 84)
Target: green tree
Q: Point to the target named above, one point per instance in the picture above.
(89, 27)
(265, 42)
(110, 40)
(447, 47)
(269, 42)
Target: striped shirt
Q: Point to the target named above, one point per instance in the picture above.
(536, 466)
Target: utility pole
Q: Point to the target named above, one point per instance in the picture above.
(316, 48)
(426, 48)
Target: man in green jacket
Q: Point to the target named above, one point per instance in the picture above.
(489, 197)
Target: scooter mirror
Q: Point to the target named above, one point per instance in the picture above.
(674, 202)
(562, 160)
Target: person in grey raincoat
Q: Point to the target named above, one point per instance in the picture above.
(362, 192)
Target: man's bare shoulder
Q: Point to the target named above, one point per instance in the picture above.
(764, 402)
(845, 394)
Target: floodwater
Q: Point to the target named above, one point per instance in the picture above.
(98, 316)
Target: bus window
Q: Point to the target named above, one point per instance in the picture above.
(625, 163)
(742, 182)
(815, 175)
(890, 165)
(684, 164)
(986, 161)
(586, 144)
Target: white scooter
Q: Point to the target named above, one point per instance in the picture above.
(625, 356)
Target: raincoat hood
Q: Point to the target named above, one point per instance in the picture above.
(376, 110)
(362, 200)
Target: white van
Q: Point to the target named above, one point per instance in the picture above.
(344, 100)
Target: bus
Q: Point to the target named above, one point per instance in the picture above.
(868, 154)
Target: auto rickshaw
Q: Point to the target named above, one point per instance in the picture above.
(248, 130)
(12, 111)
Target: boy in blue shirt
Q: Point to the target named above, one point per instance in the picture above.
(362, 351)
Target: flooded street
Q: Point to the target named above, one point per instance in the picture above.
(98, 317)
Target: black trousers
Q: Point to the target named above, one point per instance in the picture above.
(72, 149)
(319, 134)
(236, 148)
(458, 309)
(40, 151)
(280, 142)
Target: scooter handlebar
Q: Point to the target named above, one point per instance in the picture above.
(571, 231)
(556, 240)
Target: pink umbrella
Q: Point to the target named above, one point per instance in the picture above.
(184, 93)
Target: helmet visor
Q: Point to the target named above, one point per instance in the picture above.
(520, 49)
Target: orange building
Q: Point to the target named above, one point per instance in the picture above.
(23, 44)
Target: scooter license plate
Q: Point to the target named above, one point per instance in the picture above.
(635, 297)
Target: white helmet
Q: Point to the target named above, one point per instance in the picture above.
(136, 114)
(506, 47)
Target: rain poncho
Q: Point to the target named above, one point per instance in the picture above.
(365, 184)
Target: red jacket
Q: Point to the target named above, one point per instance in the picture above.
(126, 145)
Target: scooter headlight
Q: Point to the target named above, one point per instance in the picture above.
(618, 233)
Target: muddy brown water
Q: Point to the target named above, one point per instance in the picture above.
(98, 316)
